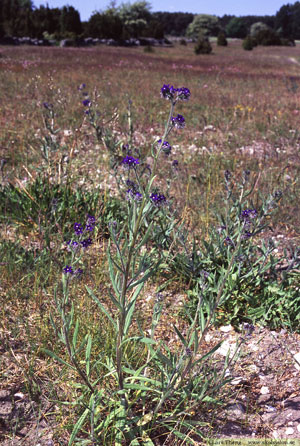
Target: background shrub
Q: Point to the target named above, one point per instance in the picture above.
(203, 45)
(248, 43)
(222, 41)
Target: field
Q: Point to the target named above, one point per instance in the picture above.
(69, 116)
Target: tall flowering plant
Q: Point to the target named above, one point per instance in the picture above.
(135, 400)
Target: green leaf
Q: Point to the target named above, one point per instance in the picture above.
(180, 336)
(78, 426)
(54, 355)
(112, 274)
(102, 308)
(75, 334)
(88, 354)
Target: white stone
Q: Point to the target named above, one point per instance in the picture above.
(238, 380)
(226, 328)
(289, 431)
(226, 348)
(264, 390)
(298, 428)
(297, 360)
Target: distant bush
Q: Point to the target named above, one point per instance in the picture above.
(221, 40)
(267, 37)
(248, 43)
(183, 42)
(148, 49)
(203, 45)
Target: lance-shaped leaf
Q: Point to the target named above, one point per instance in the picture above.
(102, 308)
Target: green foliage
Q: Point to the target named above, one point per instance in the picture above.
(53, 208)
(248, 43)
(257, 289)
(135, 17)
(258, 27)
(174, 23)
(153, 391)
(222, 41)
(236, 28)
(148, 49)
(207, 25)
(203, 45)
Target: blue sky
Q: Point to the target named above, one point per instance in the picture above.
(217, 7)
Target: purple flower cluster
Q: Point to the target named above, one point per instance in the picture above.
(166, 148)
(86, 103)
(47, 105)
(130, 161)
(158, 199)
(69, 270)
(133, 194)
(178, 121)
(74, 245)
(248, 214)
(175, 94)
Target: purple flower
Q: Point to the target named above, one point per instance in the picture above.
(175, 163)
(133, 194)
(47, 105)
(86, 102)
(249, 214)
(158, 199)
(228, 241)
(168, 92)
(81, 87)
(78, 228)
(130, 161)
(166, 148)
(91, 220)
(246, 235)
(89, 228)
(183, 94)
(86, 243)
(178, 121)
(78, 272)
(68, 270)
(72, 245)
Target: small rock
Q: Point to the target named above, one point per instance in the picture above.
(264, 390)
(238, 380)
(297, 360)
(263, 398)
(289, 431)
(4, 395)
(19, 396)
(226, 328)
(236, 410)
(226, 348)
(298, 428)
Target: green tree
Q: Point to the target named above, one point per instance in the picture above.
(206, 24)
(284, 21)
(135, 17)
(257, 28)
(106, 25)
(203, 45)
(222, 41)
(70, 21)
(236, 28)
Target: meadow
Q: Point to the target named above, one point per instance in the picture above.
(223, 247)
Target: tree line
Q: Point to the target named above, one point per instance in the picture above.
(130, 20)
